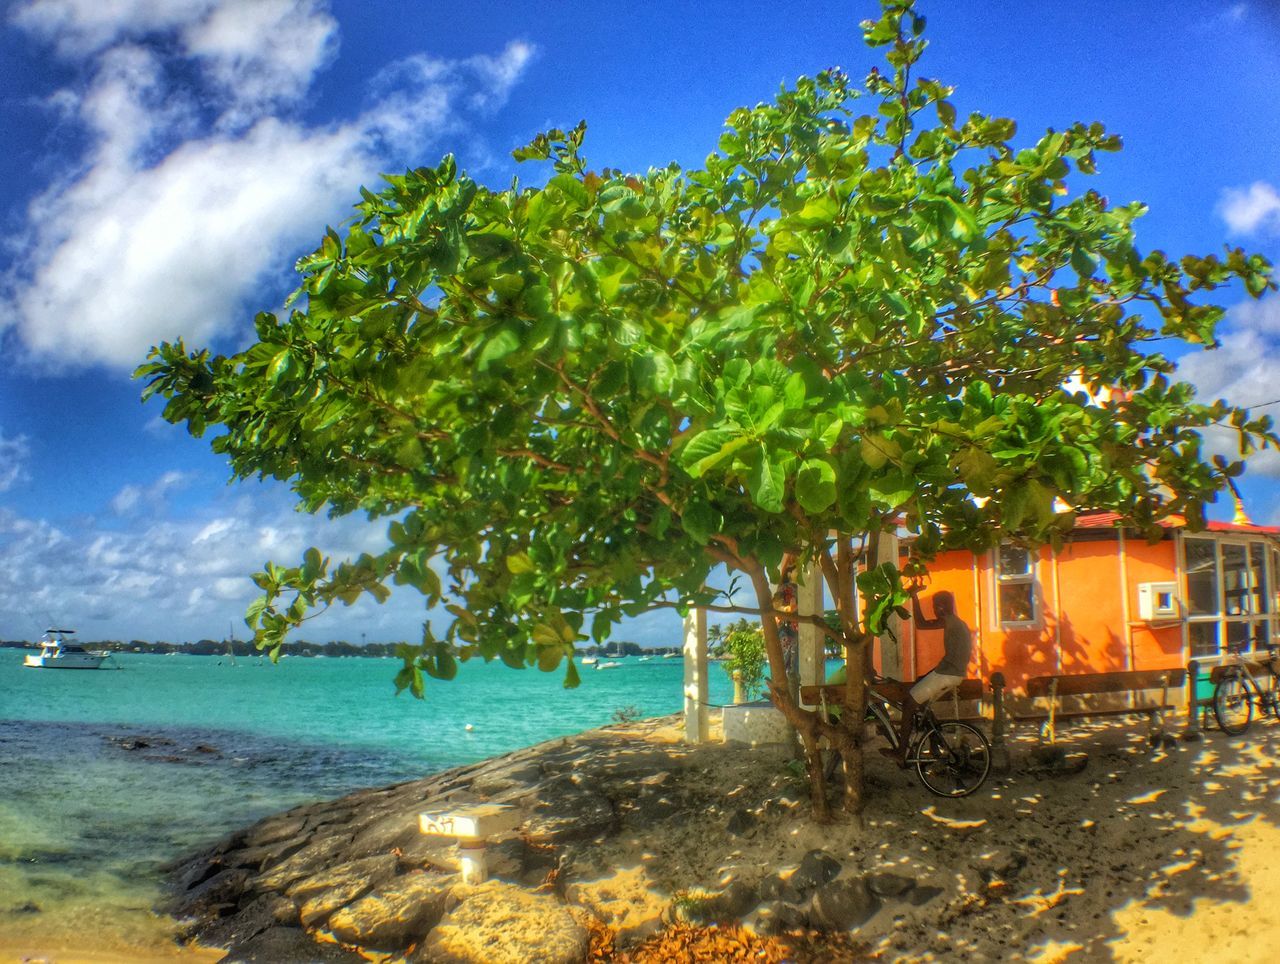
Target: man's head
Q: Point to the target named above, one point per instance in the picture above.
(944, 604)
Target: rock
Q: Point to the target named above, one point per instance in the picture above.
(324, 893)
(504, 778)
(256, 858)
(307, 862)
(740, 823)
(1002, 865)
(817, 867)
(248, 922)
(506, 858)
(842, 905)
(625, 901)
(922, 895)
(396, 915)
(569, 814)
(889, 885)
(273, 830)
(780, 916)
(774, 887)
(382, 835)
(736, 901)
(279, 944)
(498, 923)
(214, 897)
(653, 804)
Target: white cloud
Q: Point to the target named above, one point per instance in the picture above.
(239, 43)
(14, 452)
(199, 183)
(1252, 209)
(82, 27)
(132, 498)
(1242, 371)
(176, 578)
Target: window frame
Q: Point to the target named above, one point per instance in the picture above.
(1223, 619)
(1000, 580)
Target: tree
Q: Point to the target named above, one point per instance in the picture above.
(573, 402)
(747, 659)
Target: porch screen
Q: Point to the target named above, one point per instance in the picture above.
(1229, 603)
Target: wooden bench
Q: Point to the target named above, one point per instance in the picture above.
(1081, 686)
(832, 694)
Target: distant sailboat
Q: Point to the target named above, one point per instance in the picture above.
(231, 642)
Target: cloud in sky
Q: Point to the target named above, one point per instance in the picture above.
(133, 499)
(199, 181)
(180, 578)
(1242, 371)
(1251, 210)
(14, 452)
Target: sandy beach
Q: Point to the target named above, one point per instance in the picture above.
(1143, 853)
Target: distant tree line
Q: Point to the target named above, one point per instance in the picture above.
(301, 647)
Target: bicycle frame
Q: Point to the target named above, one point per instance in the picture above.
(1268, 698)
(924, 722)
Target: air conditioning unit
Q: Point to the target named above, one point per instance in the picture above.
(1158, 600)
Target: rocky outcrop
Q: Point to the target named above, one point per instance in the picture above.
(357, 871)
(611, 827)
(499, 923)
(397, 914)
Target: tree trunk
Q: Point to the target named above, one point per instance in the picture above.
(806, 722)
(853, 720)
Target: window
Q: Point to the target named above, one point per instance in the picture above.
(1202, 577)
(1015, 586)
(1229, 601)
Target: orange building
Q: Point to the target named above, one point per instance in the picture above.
(1108, 600)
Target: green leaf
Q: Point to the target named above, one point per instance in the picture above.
(816, 486)
(766, 482)
(498, 345)
(706, 450)
(892, 488)
(519, 563)
(549, 657)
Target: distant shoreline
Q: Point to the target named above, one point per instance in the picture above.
(339, 649)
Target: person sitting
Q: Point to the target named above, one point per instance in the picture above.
(957, 649)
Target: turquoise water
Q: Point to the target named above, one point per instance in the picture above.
(104, 775)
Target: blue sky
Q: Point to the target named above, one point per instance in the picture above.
(165, 161)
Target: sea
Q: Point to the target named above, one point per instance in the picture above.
(105, 775)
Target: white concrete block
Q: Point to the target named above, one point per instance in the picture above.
(756, 724)
(475, 822)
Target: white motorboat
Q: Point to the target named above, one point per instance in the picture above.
(589, 660)
(609, 665)
(673, 655)
(57, 653)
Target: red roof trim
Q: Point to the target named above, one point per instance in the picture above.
(1111, 520)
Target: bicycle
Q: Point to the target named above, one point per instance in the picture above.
(952, 758)
(1237, 691)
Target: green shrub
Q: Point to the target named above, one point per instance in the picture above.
(745, 649)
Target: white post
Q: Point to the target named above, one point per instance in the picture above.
(475, 868)
(891, 662)
(697, 726)
(812, 664)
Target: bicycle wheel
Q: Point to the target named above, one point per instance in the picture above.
(952, 759)
(1232, 705)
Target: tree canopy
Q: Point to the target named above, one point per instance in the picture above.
(573, 401)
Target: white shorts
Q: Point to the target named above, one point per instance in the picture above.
(932, 686)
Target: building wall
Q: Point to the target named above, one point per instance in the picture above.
(1086, 619)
